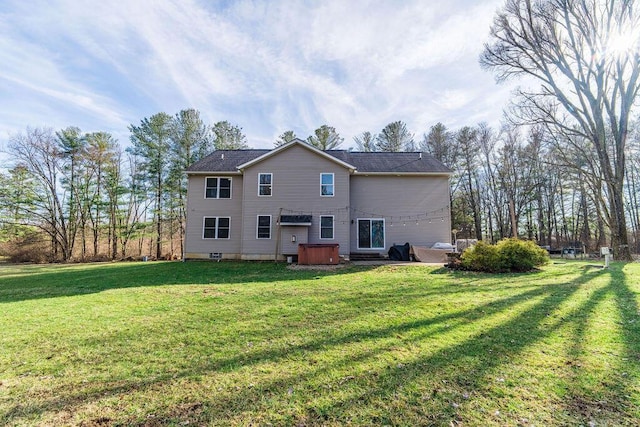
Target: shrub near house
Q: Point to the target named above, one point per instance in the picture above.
(508, 255)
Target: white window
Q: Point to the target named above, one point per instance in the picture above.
(216, 227)
(264, 184)
(264, 227)
(371, 233)
(326, 184)
(326, 227)
(217, 188)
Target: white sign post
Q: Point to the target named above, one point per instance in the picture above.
(607, 255)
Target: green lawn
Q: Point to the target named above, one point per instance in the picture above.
(170, 343)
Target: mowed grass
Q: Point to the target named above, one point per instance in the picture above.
(170, 343)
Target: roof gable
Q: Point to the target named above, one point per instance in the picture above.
(296, 142)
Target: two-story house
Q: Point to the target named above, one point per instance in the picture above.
(260, 204)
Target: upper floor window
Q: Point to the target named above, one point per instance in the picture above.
(217, 188)
(326, 184)
(326, 227)
(264, 184)
(216, 227)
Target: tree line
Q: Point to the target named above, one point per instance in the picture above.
(92, 199)
(520, 182)
(394, 137)
(76, 195)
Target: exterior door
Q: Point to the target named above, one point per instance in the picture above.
(371, 234)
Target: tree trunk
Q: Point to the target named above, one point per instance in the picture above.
(542, 239)
(114, 236)
(159, 217)
(514, 221)
(634, 206)
(585, 235)
(477, 222)
(618, 225)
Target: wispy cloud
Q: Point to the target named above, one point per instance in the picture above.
(267, 66)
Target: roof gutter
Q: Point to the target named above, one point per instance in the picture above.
(214, 172)
(403, 173)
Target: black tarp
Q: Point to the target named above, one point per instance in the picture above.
(399, 252)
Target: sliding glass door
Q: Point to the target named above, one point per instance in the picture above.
(370, 233)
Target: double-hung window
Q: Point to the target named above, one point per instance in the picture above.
(326, 227)
(216, 227)
(264, 184)
(326, 184)
(264, 227)
(217, 188)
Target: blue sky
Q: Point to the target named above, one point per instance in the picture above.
(267, 66)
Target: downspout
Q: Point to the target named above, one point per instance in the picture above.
(278, 236)
(243, 219)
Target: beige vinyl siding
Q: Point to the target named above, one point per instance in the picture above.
(396, 199)
(289, 247)
(296, 190)
(199, 207)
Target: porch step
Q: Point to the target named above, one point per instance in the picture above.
(366, 256)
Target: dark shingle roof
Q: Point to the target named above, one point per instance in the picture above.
(376, 162)
(225, 160)
(391, 162)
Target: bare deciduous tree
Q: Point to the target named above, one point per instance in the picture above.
(585, 55)
(467, 141)
(39, 153)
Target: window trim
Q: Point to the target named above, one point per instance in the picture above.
(384, 233)
(333, 228)
(261, 185)
(218, 187)
(333, 184)
(216, 229)
(258, 227)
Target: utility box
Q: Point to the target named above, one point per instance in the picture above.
(318, 253)
(606, 252)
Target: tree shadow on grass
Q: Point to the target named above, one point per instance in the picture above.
(52, 281)
(474, 357)
(496, 346)
(592, 396)
(627, 303)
